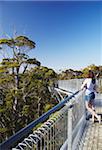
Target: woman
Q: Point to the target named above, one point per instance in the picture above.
(90, 87)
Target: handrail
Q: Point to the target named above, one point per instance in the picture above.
(6, 145)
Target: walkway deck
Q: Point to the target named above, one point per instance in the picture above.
(92, 137)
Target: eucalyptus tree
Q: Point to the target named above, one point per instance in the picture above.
(35, 92)
(11, 70)
(19, 61)
(23, 86)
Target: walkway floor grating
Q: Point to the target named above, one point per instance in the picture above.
(92, 136)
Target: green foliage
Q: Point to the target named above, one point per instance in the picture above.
(20, 41)
(47, 107)
(72, 74)
(19, 91)
(2, 110)
(8, 42)
(32, 95)
(25, 110)
(3, 130)
(24, 41)
(33, 61)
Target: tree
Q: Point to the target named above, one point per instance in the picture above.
(92, 67)
(19, 46)
(11, 69)
(24, 89)
(35, 91)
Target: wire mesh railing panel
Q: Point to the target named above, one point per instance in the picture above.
(70, 85)
(60, 131)
(53, 133)
(50, 136)
(78, 109)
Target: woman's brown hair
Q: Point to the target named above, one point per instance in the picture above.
(91, 75)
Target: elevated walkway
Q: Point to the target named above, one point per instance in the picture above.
(64, 127)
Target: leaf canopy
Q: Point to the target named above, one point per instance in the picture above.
(24, 41)
(19, 41)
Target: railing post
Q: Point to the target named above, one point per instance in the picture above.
(69, 130)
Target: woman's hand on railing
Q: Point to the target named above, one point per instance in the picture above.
(81, 89)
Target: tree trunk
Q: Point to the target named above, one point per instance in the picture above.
(17, 87)
(39, 107)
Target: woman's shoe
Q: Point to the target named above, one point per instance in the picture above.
(92, 120)
(99, 119)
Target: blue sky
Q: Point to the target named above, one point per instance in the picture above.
(67, 34)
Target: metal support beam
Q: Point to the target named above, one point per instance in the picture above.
(69, 130)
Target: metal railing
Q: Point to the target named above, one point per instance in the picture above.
(58, 93)
(70, 85)
(75, 84)
(62, 130)
(53, 133)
